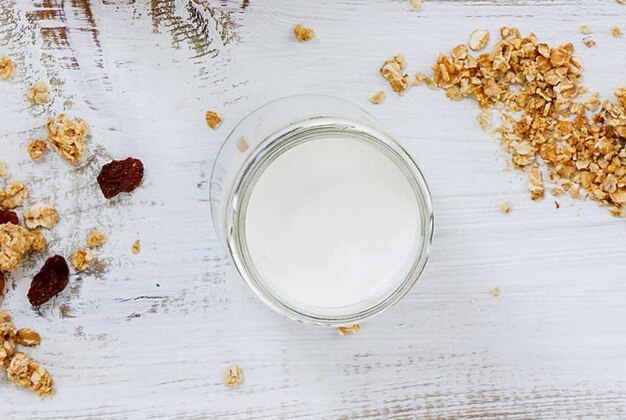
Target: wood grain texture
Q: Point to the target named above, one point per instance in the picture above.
(149, 335)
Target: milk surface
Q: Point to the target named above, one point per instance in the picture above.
(332, 222)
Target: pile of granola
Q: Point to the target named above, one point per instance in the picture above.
(21, 369)
(548, 118)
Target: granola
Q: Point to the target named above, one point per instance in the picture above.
(13, 196)
(393, 71)
(4, 171)
(27, 337)
(506, 207)
(25, 372)
(213, 119)
(8, 338)
(136, 247)
(15, 242)
(95, 238)
(37, 148)
(303, 33)
(81, 259)
(417, 4)
(40, 215)
(547, 117)
(378, 97)
(589, 42)
(38, 241)
(616, 31)
(478, 39)
(6, 67)
(349, 329)
(484, 118)
(495, 291)
(67, 137)
(39, 94)
(233, 376)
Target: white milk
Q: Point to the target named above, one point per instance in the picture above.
(332, 222)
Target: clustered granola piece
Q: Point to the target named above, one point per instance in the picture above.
(378, 97)
(589, 42)
(81, 259)
(233, 376)
(21, 369)
(136, 247)
(13, 195)
(95, 238)
(393, 71)
(548, 117)
(213, 119)
(350, 329)
(616, 31)
(303, 33)
(37, 148)
(15, 242)
(6, 67)
(67, 137)
(25, 372)
(42, 215)
(39, 94)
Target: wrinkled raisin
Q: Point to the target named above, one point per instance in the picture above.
(120, 176)
(7, 216)
(50, 281)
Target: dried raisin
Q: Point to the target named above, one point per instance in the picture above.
(120, 176)
(7, 216)
(50, 281)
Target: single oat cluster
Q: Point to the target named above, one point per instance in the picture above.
(95, 238)
(136, 247)
(67, 137)
(548, 118)
(81, 259)
(303, 33)
(350, 329)
(233, 376)
(213, 119)
(21, 369)
(40, 215)
(13, 195)
(378, 97)
(6, 67)
(393, 71)
(15, 242)
(37, 148)
(39, 94)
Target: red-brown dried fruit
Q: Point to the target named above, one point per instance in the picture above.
(120, 176)
(50, 281)
(7, 216)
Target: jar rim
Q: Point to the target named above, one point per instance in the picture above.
(278, 143)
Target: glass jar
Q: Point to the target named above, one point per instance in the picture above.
(262, 137)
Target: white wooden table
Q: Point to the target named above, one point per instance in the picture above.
(150, 335)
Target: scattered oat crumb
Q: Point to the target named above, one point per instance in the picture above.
(38, 242)
(535, 183)
(95, 238)
(505, 207)
(589, 42)
(213, 119)
(37, 148)
(42, 215)
(38, 94)
(6, 67)
(136, 247)
(393, 71)
(25, 372)
(68, 137)
(495, 291)
(585, 29)
(233, 376)
(242, 145)
(81, 259)
(419, 78)
(484, 119)
(616, 31)
(350, 329)
(378, 97)
(557, 205)
(28, 337)
(4, 171)
(303, 33)
(13, 195)
(478, 39)
(417, 4)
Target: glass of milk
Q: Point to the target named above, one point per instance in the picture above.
(326, 217)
